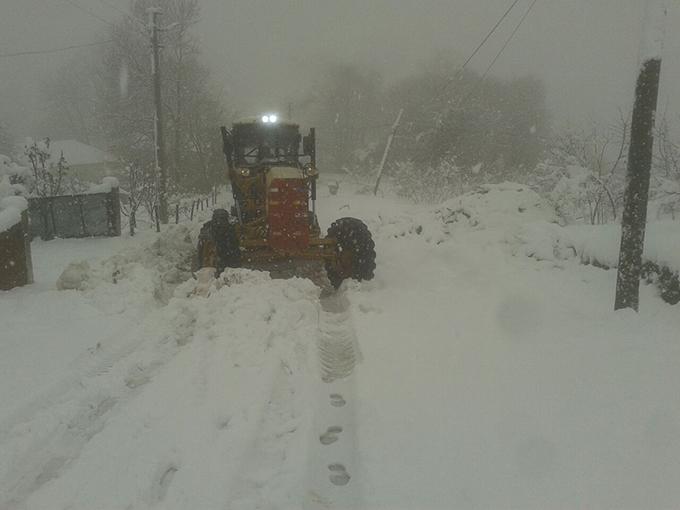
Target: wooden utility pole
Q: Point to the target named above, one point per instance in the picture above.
(161, 169)
(387, 150)
(640, 159)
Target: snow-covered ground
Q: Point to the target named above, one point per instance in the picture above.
(470, 373)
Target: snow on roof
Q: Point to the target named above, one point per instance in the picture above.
(10, 211)
(79, 153)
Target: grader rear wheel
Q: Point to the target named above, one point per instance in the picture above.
(356, 252)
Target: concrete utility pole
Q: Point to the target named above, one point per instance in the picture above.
(387, 150)
(640, 158)
(161, 168)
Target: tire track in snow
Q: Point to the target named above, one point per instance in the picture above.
(267, 462)
(77, 409)
(337, 342)
(334, 480)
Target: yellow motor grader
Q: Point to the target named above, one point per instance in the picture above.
(273, 223)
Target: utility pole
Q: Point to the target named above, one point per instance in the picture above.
(640, 158)
(387, 150)
(161, 168)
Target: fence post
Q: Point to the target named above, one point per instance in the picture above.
(176, 214)
(113, 212)
(158, 221)
(193, 205)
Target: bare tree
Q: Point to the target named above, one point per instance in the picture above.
(591, 164)
(666, 170)
(48, 175)
(124, 101)
(141, 192)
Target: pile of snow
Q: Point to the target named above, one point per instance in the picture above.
(598, 244)
(502, 209)
(149, 270)
(505, 205)
(11, 208)
(542, 241)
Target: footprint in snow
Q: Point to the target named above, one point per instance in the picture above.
(331, 435)
(165, 480)
(339, 475)
(337, 400)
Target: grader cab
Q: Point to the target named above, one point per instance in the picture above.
(273, 175)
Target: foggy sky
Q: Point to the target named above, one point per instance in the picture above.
(262, 52)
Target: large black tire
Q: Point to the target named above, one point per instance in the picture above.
(218, 245)
(356, 252)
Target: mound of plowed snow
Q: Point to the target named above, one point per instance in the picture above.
(505, 205)
(148, 271)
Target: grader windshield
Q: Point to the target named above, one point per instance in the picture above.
(256, 143)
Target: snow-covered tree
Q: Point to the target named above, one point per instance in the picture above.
(47, 173)
(428, 184)
(583, 173)
(344, 104)
(665, 184)
(192, 110)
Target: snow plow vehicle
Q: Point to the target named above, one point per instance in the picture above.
(273, 222)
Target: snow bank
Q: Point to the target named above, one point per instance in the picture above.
(497, 205)
(599, 244)
(149, 270)
(10, 211)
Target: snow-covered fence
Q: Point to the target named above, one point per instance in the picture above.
(16, 268)
(86, 215)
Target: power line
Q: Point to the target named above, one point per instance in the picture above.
(507, 42)
(491, 32)
(114, 7)
(54, 50)
(124, 13)
(475, 89)
(89, 12)
(479, 46)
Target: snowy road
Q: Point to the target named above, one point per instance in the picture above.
(466, 375)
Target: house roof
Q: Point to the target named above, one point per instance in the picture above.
(79, 153)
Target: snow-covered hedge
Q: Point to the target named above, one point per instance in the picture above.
(599, 245)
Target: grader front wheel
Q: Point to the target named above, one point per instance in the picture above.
(355, 252)
(217, 244)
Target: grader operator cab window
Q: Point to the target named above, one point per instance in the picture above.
(265, 143)
(260, 143)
